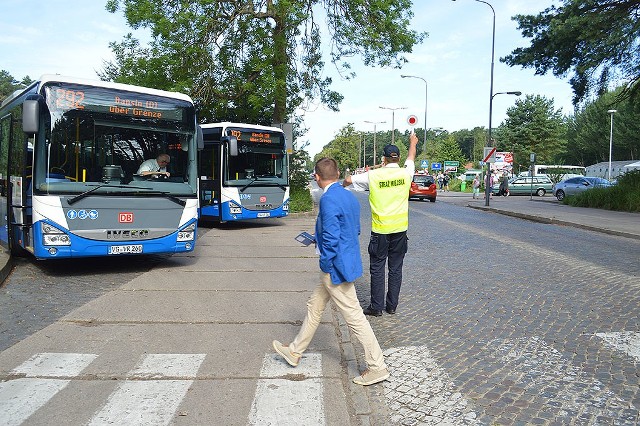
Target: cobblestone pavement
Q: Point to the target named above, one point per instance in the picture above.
(506, 321)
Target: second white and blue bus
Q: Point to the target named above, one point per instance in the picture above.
(243, 172)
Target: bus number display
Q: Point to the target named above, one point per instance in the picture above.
(69, 99)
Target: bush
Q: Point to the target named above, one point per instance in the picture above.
(624, 196)
(300, 200)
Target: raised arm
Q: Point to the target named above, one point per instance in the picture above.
(413, 142)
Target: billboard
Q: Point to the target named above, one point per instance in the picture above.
(503, 163)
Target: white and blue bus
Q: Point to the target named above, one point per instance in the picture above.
(243, 172)
(70, 150)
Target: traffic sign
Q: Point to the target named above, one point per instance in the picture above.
(424, 164)
(412, 120)
(489, 154)
(436, 166)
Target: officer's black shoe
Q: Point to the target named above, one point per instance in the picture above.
(390, 311)
(372, 312)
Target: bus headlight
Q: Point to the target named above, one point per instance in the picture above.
(285, 207)
(187, 234)
(52, 236)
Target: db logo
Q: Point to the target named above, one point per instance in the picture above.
(263, 199)
(125, 217)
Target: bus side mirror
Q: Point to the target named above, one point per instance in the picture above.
(30, 115)
(199, 138)
(233, 145)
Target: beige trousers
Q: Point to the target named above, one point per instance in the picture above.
(345, 298)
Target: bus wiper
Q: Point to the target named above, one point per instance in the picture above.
(169, 196)
(85, 194)
(284, 188)
(79, 197)
(255, 179)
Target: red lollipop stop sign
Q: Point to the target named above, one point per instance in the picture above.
(412, 120)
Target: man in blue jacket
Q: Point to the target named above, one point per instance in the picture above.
(337, 241)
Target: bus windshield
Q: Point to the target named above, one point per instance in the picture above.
(96, 136)
(261, 160)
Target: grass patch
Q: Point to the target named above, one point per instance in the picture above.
(624, 196)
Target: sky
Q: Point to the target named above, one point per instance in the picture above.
(72, 38)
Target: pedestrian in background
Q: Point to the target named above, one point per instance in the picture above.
(389, 200)
(337, 241)
(476, 186)
(445, 181)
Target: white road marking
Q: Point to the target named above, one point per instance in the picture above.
(421, 392)
(296, 399)
(155, 366)
(55, 365)
(625, 341)
(20, 398)
(151, 402)
(543, 369)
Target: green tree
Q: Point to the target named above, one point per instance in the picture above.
(256, 61)
(8, 84)
(472, 143)
(449, 150)
(533, 125)
(589, 131)
(344, 148)
(595, 40)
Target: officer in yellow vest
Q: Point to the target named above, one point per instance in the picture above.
(389, 200)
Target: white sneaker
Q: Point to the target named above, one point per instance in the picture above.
(369, 377)
(286, 353)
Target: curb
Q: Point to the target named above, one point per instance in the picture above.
(548, 220)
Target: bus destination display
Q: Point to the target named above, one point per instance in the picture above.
(138, 105)
(262, 137)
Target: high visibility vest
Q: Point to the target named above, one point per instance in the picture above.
(389, 199)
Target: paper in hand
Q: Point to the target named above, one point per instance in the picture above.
(305, 238)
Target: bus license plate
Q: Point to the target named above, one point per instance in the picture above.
(266, 214)
(133, 249)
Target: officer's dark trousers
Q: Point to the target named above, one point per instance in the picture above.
(383, 248)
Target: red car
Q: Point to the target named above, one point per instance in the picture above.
(423, 187)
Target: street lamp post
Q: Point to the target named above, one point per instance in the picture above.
(493, 46)
(487, 189)
(374, 138)
(425, 106)
(393, 125)
(611, 111)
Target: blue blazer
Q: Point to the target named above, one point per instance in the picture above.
(337, 231)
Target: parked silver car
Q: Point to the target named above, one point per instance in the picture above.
(576, 185)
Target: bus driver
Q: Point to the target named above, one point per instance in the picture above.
(155, 166)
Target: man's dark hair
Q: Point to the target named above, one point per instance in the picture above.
(327, 168)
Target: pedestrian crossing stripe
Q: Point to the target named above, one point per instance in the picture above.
(135, 402)
(150, 402)
(625, 341)
(289, 396)
(22, 397)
